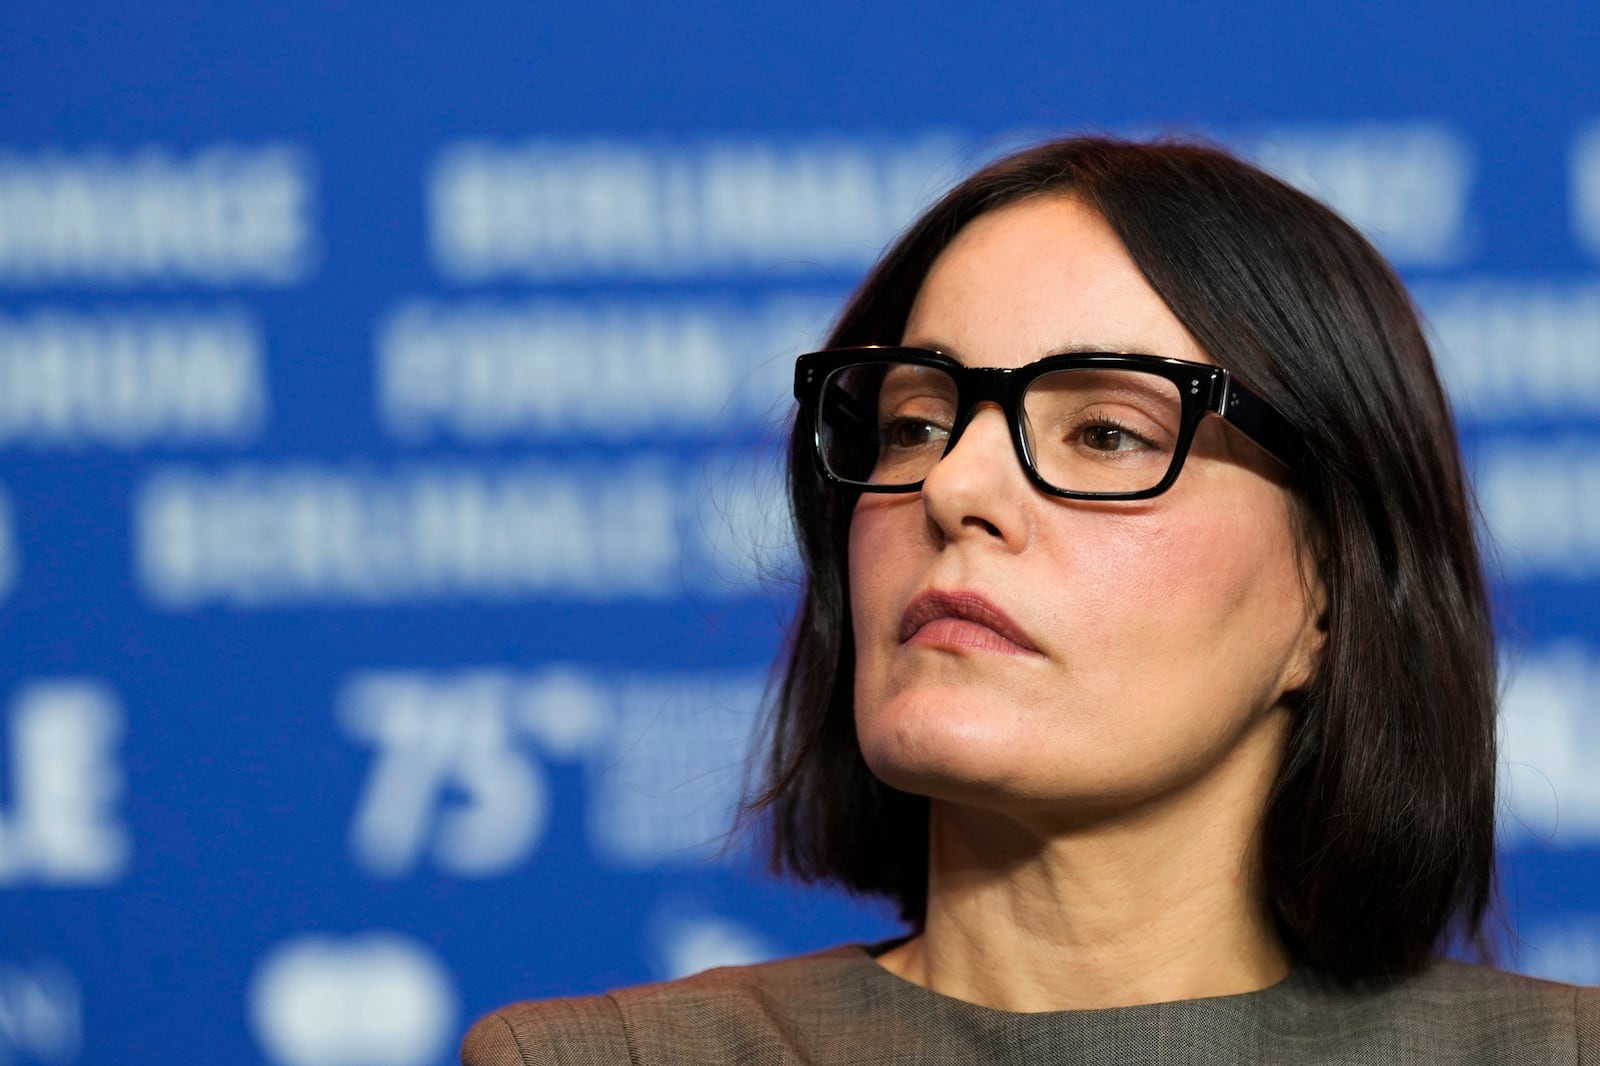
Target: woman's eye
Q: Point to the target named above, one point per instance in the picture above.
(1110, 437)
(910, 433)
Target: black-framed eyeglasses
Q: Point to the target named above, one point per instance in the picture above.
(1091, 426)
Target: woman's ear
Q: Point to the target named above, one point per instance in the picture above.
(1301, 667)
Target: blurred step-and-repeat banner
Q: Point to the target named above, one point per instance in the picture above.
(392, 547)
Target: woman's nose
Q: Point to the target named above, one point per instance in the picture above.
(979, 487)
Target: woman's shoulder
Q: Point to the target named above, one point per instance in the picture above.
(717, 1010)
(1451, 977)
(561, 1032)
(1472, 1008)
(1447, 982)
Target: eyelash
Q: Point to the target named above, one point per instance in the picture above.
(1106, 422)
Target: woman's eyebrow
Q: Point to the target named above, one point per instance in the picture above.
(1083, 348)
(1074, 348)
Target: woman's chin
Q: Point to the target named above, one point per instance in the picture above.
(988, 755)
(970, 758)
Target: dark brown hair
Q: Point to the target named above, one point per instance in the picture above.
(1378, 837)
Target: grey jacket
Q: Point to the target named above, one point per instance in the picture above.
(840, 1006)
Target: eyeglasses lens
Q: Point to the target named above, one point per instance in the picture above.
(1086, 430)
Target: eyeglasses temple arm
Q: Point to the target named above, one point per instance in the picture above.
(1262, 423)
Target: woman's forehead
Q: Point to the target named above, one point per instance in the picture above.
(1039, 277)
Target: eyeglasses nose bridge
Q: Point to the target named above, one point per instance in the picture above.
(970, 411)
(982, 387)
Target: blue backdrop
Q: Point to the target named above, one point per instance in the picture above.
(391, 536)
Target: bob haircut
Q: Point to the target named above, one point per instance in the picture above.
(1378, 835)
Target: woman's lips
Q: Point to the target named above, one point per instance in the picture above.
(962, 620)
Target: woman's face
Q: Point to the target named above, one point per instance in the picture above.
(1067, 658)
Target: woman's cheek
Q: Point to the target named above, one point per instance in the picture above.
(877, 573)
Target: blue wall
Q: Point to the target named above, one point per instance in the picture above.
(391, 537)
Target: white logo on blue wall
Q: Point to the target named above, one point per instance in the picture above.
(377, 999)
(62, 826)
(1406, 185)
(1540, 497)
(682, 943)
(1550, 746)
(227, 214)
(41, 1013)
(743, 541)
(131, 377)
(272, 534)
(9, 562)
(547, 209)
(1585, 185)
(664, 786)
(1565, 948)
(1516, 351)
(459, 779)
(447, 780)
(611, 370)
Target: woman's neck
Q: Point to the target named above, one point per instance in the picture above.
(1142, 910)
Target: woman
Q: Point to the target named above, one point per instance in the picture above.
(1144, 658)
